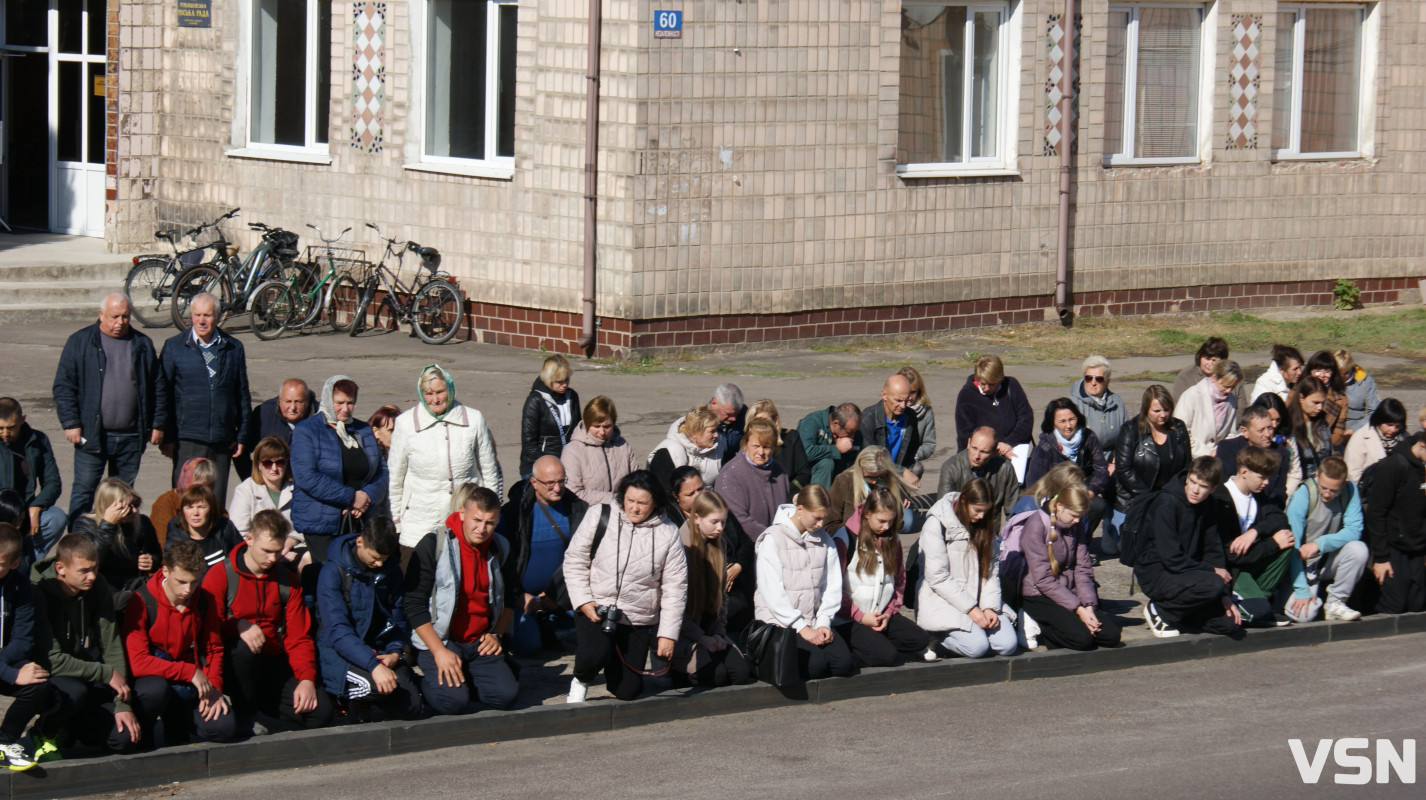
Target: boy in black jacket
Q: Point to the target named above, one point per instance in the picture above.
(1257, 541)
(20, 677)
(1396, 527)
(1181, 567)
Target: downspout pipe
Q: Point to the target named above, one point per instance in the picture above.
(591, 173)
(1062, 301)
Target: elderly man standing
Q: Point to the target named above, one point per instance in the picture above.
(890, 424)
(203, 396)
(276, 417)
(732, 413)
(104, 393)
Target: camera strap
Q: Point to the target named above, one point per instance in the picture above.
(647, 673)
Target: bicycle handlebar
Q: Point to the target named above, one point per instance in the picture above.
(191, 232)
(336, 238)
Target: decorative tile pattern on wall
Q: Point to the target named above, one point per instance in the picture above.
(1055, 83)
(368, 75)
(1243, 82)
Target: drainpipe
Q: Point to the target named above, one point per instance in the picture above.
(1062, 303)
(591, 173)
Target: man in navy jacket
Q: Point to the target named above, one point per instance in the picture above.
(203, 400)
(27, 466)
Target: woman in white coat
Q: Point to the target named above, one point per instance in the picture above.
(960, 600)
(435, 447)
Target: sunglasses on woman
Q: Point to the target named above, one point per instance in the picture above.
(274, 463)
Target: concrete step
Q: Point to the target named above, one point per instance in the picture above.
(85, 293)
(34, 313)
(112, 271)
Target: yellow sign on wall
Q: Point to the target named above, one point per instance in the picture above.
(98, 85)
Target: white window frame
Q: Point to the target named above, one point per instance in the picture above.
(414, 151)
(1207, 45)
(1008, 81)
(313, 152)
(1368, 31)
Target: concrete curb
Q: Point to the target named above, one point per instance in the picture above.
(334, 745)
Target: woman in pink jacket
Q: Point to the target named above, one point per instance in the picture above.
(874, 586)
(597, 457)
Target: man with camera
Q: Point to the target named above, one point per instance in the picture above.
(456, 609)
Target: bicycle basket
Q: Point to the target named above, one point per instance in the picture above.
(349, 260)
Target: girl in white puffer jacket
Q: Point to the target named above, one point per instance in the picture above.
(435, 447)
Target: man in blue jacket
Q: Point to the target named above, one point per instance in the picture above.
(203, 401)
(27, 466)
(20, 677)
(105, 395)
(363, 625)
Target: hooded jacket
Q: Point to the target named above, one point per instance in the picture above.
(1270, 382)
(1074, 586)
(593, 468)
(639, 567)
(951, 584)
(430, 458)
(1396, 504)
(79, 385)
(544, 426)
(753, 493)
(343, 638)
(190, 638)
(1180, 536)
(1105, 415)
(77, 637)
(434, 578)
(517, 520)
(677, 450)
(41, 486)
(1007, 412)
(189, 404)
(318, 494)
(259, 600)
(17, 624)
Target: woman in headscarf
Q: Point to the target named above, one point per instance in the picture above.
(436, 446)
(337, 469)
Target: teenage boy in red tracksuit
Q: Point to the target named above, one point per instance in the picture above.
(271, 664)
(176, 652)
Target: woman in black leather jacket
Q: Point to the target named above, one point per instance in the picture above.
(551, 411)
(1152, 449)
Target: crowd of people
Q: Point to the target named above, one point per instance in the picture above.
(386, 568)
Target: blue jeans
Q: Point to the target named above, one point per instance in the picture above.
(120, 453)
(1109, 535)
(525, 636)
(52, 523)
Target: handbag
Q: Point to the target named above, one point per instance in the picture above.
(773, 649)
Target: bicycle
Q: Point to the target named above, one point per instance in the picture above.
(435, 308)
(281, 304)
(150, 283)
(275, 256)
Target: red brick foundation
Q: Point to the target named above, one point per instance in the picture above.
(558, 331)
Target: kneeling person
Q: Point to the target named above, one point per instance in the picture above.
(271, 663)
(360, 594)
(1257, 545)
(455, 607)
(1326, 518)
(173, 636)
(20, 677)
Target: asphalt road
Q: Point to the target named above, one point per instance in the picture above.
(1199, 729)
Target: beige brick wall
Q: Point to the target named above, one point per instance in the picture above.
(750, 167)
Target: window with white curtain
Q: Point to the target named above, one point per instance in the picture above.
(1317, 88)
(290, 85)
(1153, 75)
(470, 81)
(954, 111)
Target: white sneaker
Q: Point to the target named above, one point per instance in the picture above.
(577, 691)
(1032, 631)
(1336, 609)
(930, 654)
(1157, 626)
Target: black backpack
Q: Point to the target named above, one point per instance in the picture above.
(1132, 536)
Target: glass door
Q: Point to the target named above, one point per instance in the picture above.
(78, 92)
(24, 113)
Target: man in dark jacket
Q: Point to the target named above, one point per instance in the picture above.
(77, 640)
(1396, 527)
(21, 678)
(105, 395)
(360, 599)
(727, 403)
(1257, 541)
(538, 521)
(27, 466)
(203, 394)
(832, 439)
(276, 416)
(890, 424)
(979, 460)
(1255, 429)
(1181, 566)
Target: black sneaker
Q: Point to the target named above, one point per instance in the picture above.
(1222, 625)
(1157, 626)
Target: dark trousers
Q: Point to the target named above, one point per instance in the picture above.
(1063, 628)
(86, 711)
(1405, 590)
(264, 683)
(28, 702)
(599, 652)
(220, 453)
(820, 661)
(120, 454)
(1186, 599)
(727, 667)
(740, 612)
(403, 702)
(488, 681)
(156, 698)
(889, 647)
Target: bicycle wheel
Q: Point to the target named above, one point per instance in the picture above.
(344, 309)
(381, 317)
(271, 308)
(437, 312)
(194, 281)
(149, 287)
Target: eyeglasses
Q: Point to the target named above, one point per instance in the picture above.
(273, 463)
(1095, 379)
(560, 482)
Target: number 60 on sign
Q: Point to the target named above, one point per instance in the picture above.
(668, 24)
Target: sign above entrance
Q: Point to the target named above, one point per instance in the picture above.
(667, 24)
(195, 13)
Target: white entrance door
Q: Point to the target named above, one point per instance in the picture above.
(77, 101)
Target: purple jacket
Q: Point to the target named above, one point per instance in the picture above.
(1074, 586)
(753, 494)
(1007, 411)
